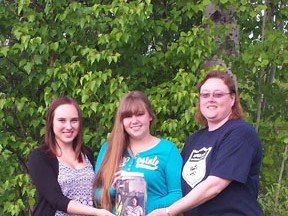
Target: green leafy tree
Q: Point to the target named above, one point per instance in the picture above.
(95, 51)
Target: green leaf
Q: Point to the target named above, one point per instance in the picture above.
(223, 1)
(28, 67)
(54, 46)
(4, 50)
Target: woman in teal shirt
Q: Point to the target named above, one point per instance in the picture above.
(131, 147)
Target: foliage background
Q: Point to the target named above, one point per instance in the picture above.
(96, 51)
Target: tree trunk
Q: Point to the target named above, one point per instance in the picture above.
(230, 44)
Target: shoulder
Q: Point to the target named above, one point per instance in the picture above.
(39, 153)
(103, 148)
(197, 133)
(101, 155)
(241, 127)
(167, 147)
(238, 123)
(104, 145)
(164, 143)
(243, 134)
(39, 157)
(88, 151)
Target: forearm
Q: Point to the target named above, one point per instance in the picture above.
(190, 201)
(203, 192)
(80, 209)
(43, 173)
(167, 200)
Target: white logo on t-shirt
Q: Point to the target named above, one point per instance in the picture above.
(150, 163)
(147, 163)
(195, 167)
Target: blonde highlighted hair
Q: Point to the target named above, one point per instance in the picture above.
(132, 103)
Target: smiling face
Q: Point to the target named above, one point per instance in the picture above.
(217, 107)
(137, 124)
(65, 124)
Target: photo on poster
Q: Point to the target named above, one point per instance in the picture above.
(131, 195)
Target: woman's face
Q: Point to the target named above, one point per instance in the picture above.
(134, 202)
(65, 124)
(138, 125)
(216, 102)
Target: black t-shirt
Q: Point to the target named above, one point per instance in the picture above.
(232, 152)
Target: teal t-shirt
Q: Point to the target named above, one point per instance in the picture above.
(161, 166)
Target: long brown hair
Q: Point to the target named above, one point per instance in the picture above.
(50, 143)
(237, 110)
(132, 103)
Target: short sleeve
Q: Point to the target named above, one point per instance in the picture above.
(236, 153)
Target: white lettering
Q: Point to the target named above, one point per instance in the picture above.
(147, 163)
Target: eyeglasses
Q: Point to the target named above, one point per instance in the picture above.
(214, 94)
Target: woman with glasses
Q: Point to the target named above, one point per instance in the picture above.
(221, 161)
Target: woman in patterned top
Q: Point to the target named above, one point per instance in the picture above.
(62, 168)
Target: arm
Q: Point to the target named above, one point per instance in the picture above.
(78, 208)
(43, 172)
(228, 167)
(100, 156)
(204, 191)
(98, 191)
(172, 178)
(44, 177)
